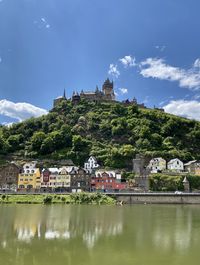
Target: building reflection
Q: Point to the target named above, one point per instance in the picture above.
(65, 223)
(80, 234)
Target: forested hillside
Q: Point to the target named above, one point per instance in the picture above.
(112, 132)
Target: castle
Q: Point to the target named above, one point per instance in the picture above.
(105, 94)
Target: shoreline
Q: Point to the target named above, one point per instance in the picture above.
(74, 198)
(100, 198)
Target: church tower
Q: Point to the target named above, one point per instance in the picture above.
(108, 90)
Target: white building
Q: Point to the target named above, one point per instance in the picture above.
(91, 164)
(175, 165)
(157, 164)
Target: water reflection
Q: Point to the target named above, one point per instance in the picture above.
(80, 234)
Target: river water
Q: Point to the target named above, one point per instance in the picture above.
(99, 235)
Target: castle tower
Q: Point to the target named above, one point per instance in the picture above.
(76, 98)
(186, 184)
(108, 90)
(60, 99)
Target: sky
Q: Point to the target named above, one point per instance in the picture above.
(150, 49)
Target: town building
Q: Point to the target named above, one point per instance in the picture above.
(193, 167)
(175, 165)
(48, 179)
(91, 164)
(80, 180)
(157, 164)
(8, 176)
(107, 180)
(29, 178)
(63, 180)
(141, 172)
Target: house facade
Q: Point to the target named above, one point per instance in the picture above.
(9, 176)
(91, 164)
(157, 164)
(80, 179)
(63, 180)
(193, 167)
(29, 178)
(108, 180)
(175, 165)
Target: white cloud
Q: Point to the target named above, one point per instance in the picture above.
(113, 70)
(160, 47)
(123, 90)
(157, 68)
(186, 108)
(20, 111)
(197, 63)
(128, 61)
(42, 23)
(8, 124)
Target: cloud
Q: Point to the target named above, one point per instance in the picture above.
(42, 23)
(0, 56)
(123, 90)
(157, 68)
(197, 63)
(128, 61)
(186, 108)
(113, 70)
(20, 111)
(160, 47)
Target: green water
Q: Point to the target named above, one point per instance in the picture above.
(99, 235)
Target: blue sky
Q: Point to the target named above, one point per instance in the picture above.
(151, 50)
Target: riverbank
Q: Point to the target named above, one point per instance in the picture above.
(74, 198)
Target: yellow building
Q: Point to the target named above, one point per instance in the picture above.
(29, 178)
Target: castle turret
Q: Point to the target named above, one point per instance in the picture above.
(108, 90)
(60, 99)
(76, 98)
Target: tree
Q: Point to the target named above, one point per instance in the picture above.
(37, 140)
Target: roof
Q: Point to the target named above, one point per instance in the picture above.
(89, 92)
(185, 180)
(53, 169)
(190, 162)
(157, 159)
(173, 160)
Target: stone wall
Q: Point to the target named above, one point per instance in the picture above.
(152, 198)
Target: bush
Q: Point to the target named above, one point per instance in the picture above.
(3, 197)
(47, 200)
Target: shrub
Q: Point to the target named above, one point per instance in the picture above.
(47, 200)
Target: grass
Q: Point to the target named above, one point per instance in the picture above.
(78, 198)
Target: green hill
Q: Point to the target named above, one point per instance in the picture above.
(111, 131)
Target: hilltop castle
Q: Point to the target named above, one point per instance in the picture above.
(105, 94)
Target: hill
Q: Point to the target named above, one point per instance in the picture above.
(111, 131)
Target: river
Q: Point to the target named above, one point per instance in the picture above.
(99, 235)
